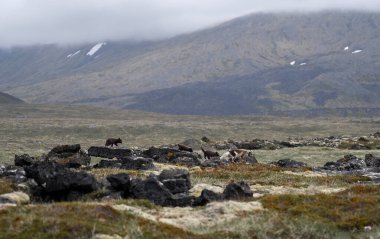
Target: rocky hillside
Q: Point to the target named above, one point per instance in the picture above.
(8, 99)
(257, 64)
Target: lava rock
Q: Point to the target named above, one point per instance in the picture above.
(190, 162)
(70, 156)
(24, 160)
(108, 164)
(347, 163)
(110, 153)
(13, 173)
(207, 196)
(69, 185)
(372, 161)
(176, 180)
(120, 182)
(161, 154)
(137, 163)
(289, 163)
(237, 191)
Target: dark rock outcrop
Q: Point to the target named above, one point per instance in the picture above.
(237, 191)
(69, 185)
(137, 163)
(372, 161)
(177, 180)
(347, 163)
(289, 163)
(105, 163)
(110, 153)
(56, 182)
(70, 156)
(170, 155)
(120, 182)
(170, 188)
(14, 173)
(24, 160)
(207, 196)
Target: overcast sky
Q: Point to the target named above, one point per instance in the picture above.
(25, 22)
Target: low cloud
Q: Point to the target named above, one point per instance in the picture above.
(26, 22)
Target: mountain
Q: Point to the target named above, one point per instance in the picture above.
(8, 99)
(256, 64)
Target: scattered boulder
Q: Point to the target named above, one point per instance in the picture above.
(137, 163)
(195, 144)
(176, 180)
(347, 163)
(206, 197)
(376, 135)
(70, 156)
(13, 173)
(120, 182)
(187, 161)
(205, 139)
(289, 163)
(183, 147)
(359, 147)
(110, 153)
(161, 154)
(372, 161)
(237, 191)
(105, 163)
(56, 182)
(69, 185)
(24, 160)
(18, 198)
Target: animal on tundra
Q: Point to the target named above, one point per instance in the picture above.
(209, 154)
(235, 155)
(184, 148)
(111, 141)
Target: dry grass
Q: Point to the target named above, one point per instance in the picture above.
(35, 129)
(267, 175)
(351, 209)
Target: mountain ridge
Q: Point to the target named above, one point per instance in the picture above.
(250, 47)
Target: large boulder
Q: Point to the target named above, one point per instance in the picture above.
(105, 163)
(156, 191)
(289, 163)
(176, 180)
(169, 154)
(18, 198)
(207, 196)
(372, 161)
(70, 156)
(110, 153)
(237, 191)
(57, 182)
(24, 160)
(137, 163)
(120, 182)
(347, 163)
(14, 173)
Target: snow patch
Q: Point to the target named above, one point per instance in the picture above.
(74, 54)
(292, 63)
(346, 48)
(95, 48)
(356, 51)
(303, 64)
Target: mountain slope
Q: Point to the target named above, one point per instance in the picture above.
(286, 61)
(8, 99)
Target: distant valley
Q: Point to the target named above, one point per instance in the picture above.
(317, 63)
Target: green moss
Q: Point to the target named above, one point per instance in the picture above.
(353, 208)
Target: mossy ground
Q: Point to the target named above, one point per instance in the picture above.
(354, 208)
(268, 175)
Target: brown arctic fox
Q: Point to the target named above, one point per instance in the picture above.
(112, 141)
